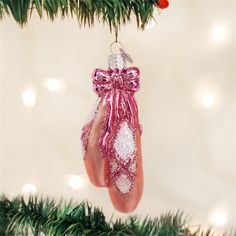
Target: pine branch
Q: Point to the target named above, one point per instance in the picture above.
(111, 12)
(39, 215)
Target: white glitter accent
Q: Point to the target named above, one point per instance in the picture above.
(114, 166)
(123, 184)
(124, 143)
(133, 167)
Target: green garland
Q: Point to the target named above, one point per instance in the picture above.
(111, 12)
(44, 216)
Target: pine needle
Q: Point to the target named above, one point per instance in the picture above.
(113, 13)
(37, 216)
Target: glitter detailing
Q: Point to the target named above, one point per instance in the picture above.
(117, 142)
(113, 166)
(93, 111)
(124, 158)
(85, 137)
(124, 143)
(133, 167)
(123, 184)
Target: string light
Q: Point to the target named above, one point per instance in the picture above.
(207, 94)
(208, 100)
(218, 218)
(29, 189)
(75, 181)
(218, 33)
(29, 98)
(53, 84)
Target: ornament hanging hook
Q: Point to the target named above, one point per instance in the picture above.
(116, 40)
(125, 55)
(116, 34)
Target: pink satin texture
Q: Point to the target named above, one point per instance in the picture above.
(112, 138)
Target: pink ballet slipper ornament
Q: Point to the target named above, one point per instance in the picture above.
(112, 138)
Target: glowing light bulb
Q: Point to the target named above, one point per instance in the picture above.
(75, 182)
(150, 24)
(218, 33)
(218, 218)
(208, 100)
(53, 85)
(29, 98)
(29, 189)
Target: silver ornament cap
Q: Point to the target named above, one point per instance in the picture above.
(117, 61)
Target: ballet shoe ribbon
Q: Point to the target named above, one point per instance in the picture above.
(116, 87)
(107, 80)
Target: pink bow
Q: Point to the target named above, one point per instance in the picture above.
(117, 87)
(107, 80)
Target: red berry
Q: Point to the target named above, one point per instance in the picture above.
(162, 4)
